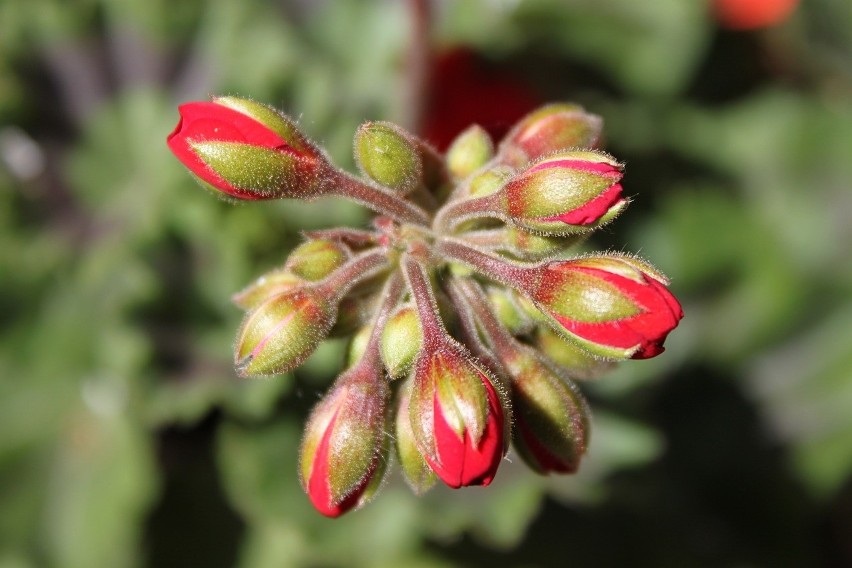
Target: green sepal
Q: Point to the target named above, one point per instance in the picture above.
(262, 172)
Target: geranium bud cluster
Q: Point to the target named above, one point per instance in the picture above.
(470, 319)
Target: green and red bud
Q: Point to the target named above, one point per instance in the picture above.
(471, 150)
(614, 306)
(280, 333)
(551, 415)
(415, 470)
(549, 129)
(344, 450)
(246, 150)
(569, 192)
(401, 341)
(456, 415)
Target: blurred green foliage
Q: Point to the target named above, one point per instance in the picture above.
(125, 438)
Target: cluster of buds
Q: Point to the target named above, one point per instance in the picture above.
(470, 321)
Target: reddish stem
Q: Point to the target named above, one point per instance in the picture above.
(345, 185)
(341, 281)
(517, 275)
(424, 298)
(496, 332)
(391, 294)
(453, 213)
(469, 327)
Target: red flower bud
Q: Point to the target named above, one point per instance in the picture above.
(614, 306)
(549, 129)
(565, 193)
(343, 455)
(245, 149)
(456, 416)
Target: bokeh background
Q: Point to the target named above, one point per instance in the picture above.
(125, 438)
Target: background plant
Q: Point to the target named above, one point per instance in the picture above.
(126, 440)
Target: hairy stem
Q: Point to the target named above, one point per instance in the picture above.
(345, 185)
(391, 293)
(514, 274)
(449, 217)
(469, 327)
(496, 333)
(424, 297)
(341, 281)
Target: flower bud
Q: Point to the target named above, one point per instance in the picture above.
(389, 155)
(358, 345)
(469, 151)
(489, 181)
(317, 258)
(549, 129)
(245, 150)
(530, 246)
(565, 193)
(576, 361)
(529, 308)
(401, 341)
(510, 314)
(416, 471)
(613, 306)
(551, 416)
(282, 332)
(343, 453)
(270, 284)
(456, 416)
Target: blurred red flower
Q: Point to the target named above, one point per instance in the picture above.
(466, 89)
(752, 14)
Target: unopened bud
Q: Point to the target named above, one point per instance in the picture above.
(358, 345)
(388, 155)
(576, 361)
(456, 416)
(613, 306)
(489, 181)
(565, 193)
(282, 332)
(416, 471)
(343, 452)
(551, 416)
(245, 150)
(531, 246)
(270, 284)
(549, 129)
(317, 258)
(469, 151)
(507, 310)
(401, 341)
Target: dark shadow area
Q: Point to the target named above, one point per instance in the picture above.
(192, 525)
(721, 495)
